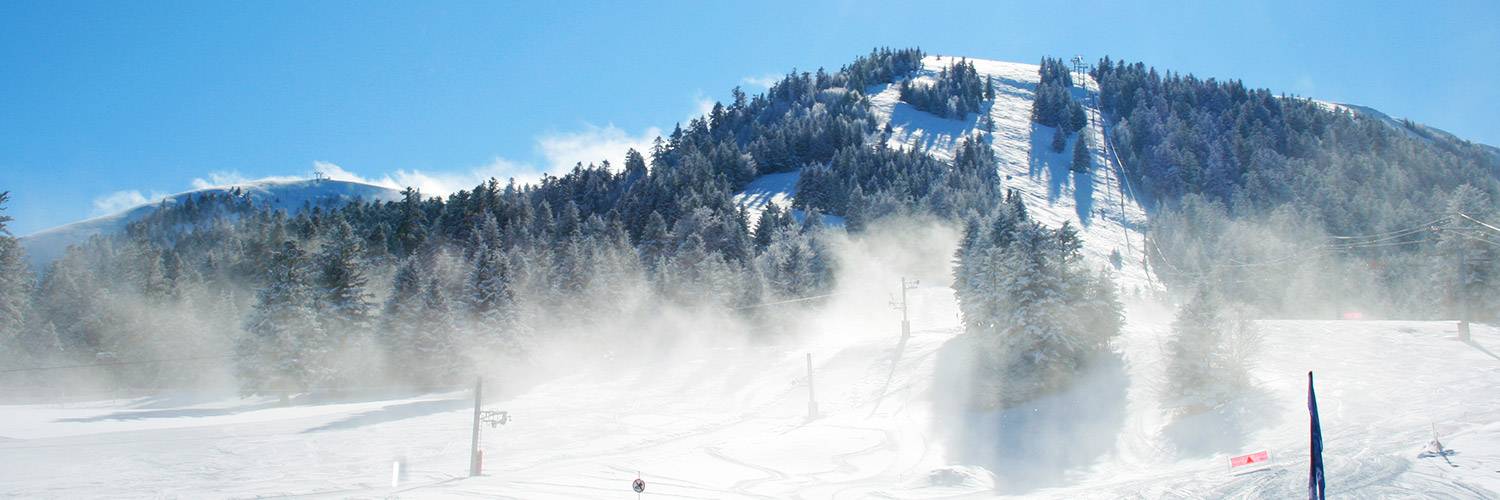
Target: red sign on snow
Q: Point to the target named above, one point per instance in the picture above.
(1245, 463)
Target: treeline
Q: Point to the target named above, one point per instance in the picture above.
(1252, 185)
(955, 91)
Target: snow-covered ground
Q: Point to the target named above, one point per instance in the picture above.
(731, 422)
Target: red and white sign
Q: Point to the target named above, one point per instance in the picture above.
(1246, 463)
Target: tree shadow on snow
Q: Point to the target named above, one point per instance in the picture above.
(1052, 165)
(1083, 196)
(172, 413)
(393, 413)
(1035, 445)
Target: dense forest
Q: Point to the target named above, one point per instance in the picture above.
(1250, 188)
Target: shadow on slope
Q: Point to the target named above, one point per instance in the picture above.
(395, 412)
(173, 413)
(927, 131)
(1035, 445)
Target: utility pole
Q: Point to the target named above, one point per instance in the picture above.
(1462, 294)
(474, 458)
(905, 323)
(495, 418)
(812, 402)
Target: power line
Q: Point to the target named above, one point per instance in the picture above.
(1477, 221)
(799, 299)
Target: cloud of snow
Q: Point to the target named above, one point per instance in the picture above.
(437, 183)
(702, 104)
(121, 200)
(221, 178)
(763, 82)
(559, 151)
(592, 145)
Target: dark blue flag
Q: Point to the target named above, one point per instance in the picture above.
(1315, 475)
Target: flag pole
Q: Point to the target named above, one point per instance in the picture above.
(1315, 483)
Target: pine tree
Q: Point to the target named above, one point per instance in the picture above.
(433, 347)
(491, 301)
(345, 310)
(1081, 161)
(283, 348)
(15, 290)
(1208, 356)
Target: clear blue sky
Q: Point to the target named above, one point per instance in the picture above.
(103, 103)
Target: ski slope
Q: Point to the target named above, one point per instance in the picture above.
(731, 422)
(1105, 210)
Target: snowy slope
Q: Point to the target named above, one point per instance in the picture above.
(1105, 211)
(45, 246)
(781, 189)
(730, 422)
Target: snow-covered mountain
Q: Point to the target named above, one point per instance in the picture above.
(1105, 211)
(45, 246)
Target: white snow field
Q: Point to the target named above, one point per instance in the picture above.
(732, 423)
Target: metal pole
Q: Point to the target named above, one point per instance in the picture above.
(1463, 291)
(905, 325)
(474, 464)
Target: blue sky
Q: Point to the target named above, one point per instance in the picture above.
(107, 103)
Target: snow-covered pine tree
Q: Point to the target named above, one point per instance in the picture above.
(15, 290)
(343, 301)
(1208, 356)
(787, 264)
(490, 298)
(1081, 161)
(283, 347)
(434, 345)
(399, 317)
(1469, 269)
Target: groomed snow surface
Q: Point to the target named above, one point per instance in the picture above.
(732, 423)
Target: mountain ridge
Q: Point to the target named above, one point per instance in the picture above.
(44, 246)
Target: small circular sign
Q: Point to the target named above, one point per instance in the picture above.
(639, 485)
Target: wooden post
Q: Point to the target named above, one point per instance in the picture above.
(474, 464)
